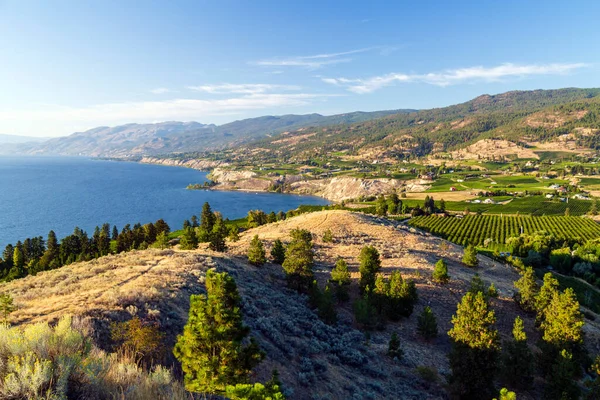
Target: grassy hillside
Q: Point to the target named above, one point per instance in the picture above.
(315, 360)
(517, 116)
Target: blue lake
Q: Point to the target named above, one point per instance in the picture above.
(38, 194)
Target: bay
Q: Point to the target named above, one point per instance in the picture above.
(38, 194)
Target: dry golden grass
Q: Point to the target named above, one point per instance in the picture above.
(157, 284)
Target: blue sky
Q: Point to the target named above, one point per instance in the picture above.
(68, 66)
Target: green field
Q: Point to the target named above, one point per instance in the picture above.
(476, 229)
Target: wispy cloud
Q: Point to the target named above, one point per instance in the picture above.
(243, 88)
(69, 119)
(312, 62)
(455, 76)
(160, 90)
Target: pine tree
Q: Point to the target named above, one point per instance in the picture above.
(440, 272)
(211, 349)
(561, 383)
(492, 292)
(194, 221)
(6, 306)
(207, 218)
(394, 350)
(563, 321)
(115, 233)
(234, 233)
(326, 307)
(470, 257)
(477, 285)
(278, 252)
(517, 359)
(547, 291)
(402, 296)
(506, 395)
(340, 274)
(218, 234)
(328, 236)
(369, 266)
(256, 252)
(189, 240)
(364, 311)
(427, 324)
(474, 349)
(162, 241)
(528, 290)
(299, 260)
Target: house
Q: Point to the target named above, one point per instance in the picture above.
(549, 196)
(476, 201)
(489, 201)
(460, 180)
(554, 186)
(580, 196)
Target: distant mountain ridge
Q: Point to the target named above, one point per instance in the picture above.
(136, 140)
(517, 116)
(12, 139)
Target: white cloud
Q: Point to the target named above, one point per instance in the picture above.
(244, 88)
(311, 62)
(454, 76)
(160, 90)
(63, 119)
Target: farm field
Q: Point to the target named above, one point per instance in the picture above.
(476, 229)
(530, 205)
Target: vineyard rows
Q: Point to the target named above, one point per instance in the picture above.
(477, 228)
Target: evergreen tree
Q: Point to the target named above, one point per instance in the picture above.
(517, 359)
(394, 350)
(470, 257)
(477, 286)
(547, 291)
(328, 236)
(369, 266)
(563, 321)
(161, 226)
(256, 252)
(162, 241)
(115, 233)
(207, 218)
(440, 272)
(364, 311)
(234, 233)
(271, 217)
(340, 274)
(527, 290)
(278, 252)
(402, 296)
(561, 383)
(189, 240)
(427, 324)
(506, 395)
(474, 349)
(326, 307)
(492, 292)
(299, 260)
(211, 349)
(218, 234)
(6, 306)
(194, 221)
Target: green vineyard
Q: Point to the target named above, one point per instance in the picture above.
(477, 228)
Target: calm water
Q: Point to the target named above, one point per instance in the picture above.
(40, 194)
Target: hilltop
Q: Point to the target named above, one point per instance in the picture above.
(314, 359)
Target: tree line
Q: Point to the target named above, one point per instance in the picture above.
(35, 254)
